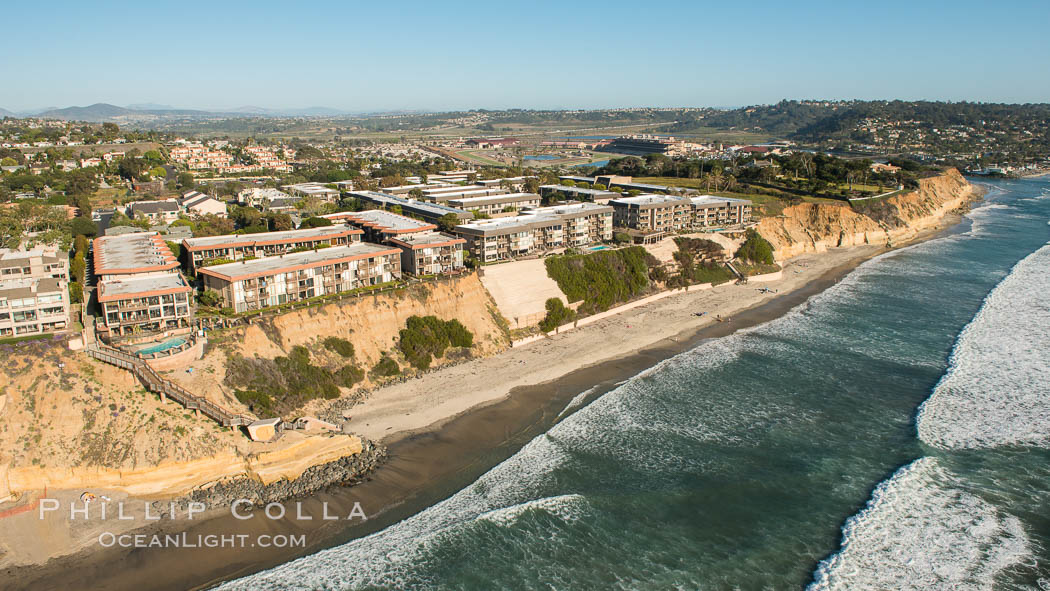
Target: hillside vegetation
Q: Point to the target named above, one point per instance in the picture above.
(602, 279)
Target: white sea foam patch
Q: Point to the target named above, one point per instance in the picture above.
(393, 557)
(997, 388)
(388, 559)
(981, 216)
(919, 531)
(565, 507)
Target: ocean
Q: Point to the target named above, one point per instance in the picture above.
(893, 432)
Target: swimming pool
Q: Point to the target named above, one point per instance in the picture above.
(159, 347)
(599, 248)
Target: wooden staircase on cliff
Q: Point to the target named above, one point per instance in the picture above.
(166, 388)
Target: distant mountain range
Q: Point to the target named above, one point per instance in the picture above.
(100, 112)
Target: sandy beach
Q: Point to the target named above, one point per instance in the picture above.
(397, 411)
(448, 428)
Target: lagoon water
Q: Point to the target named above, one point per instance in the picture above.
(785, 456)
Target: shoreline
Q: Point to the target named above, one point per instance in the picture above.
(428, 462)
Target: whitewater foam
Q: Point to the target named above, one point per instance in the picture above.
(919, 531)
(997, 388)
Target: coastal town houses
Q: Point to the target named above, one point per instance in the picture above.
(708, 210)
(261, 283)
(652, 214)
(33, 291)
(424, 250)
(497, 204)
(538, 231)
(235, 247)
(140, 288)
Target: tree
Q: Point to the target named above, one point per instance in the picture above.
(315, 222)
(209, 298)
(281, 222)
(110, 129)
(153, 156)
(448, 222)
(83, 226)
(185, 180)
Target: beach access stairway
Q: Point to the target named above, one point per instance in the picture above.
(739, 276)
(166, 388)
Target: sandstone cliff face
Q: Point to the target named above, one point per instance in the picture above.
(811, 227)
(370, 323)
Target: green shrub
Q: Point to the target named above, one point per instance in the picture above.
(341, 346)
(385, 367)
(258, 402)
(756, 249)
(348, 375)
(427, 337)
(557, 315)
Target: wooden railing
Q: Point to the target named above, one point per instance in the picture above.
(155, 383)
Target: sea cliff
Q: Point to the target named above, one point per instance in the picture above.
(815, 227)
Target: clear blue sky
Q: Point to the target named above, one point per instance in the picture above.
(431, 55)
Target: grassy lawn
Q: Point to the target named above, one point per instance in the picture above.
(764, 205)
(32, 337)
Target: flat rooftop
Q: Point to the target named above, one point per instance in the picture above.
(24, 288)
(649, 200)
(453, 189)
(540, 216)
(391, 200)
(505, 198)
(579, 190)
(715, 200)
(298, 260)
(285, 236)
(425, 239)
(382, 220)
(140, 252)
(118, 288)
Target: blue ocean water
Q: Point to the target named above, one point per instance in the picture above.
(787, 455)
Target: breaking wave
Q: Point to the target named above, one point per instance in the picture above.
(997, 388)
(920, 532)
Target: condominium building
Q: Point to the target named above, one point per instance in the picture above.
(235, 247)
(708, 210)
(429, 253)
(652, 213)
(516, 183)
(140, 287)
(33, 306)
(443, 194)
(431, 212)
(260, 283)
(537, 231)
(497, 203)
(424, 251)
(40, 263)
(579, 193)
(33, 292)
